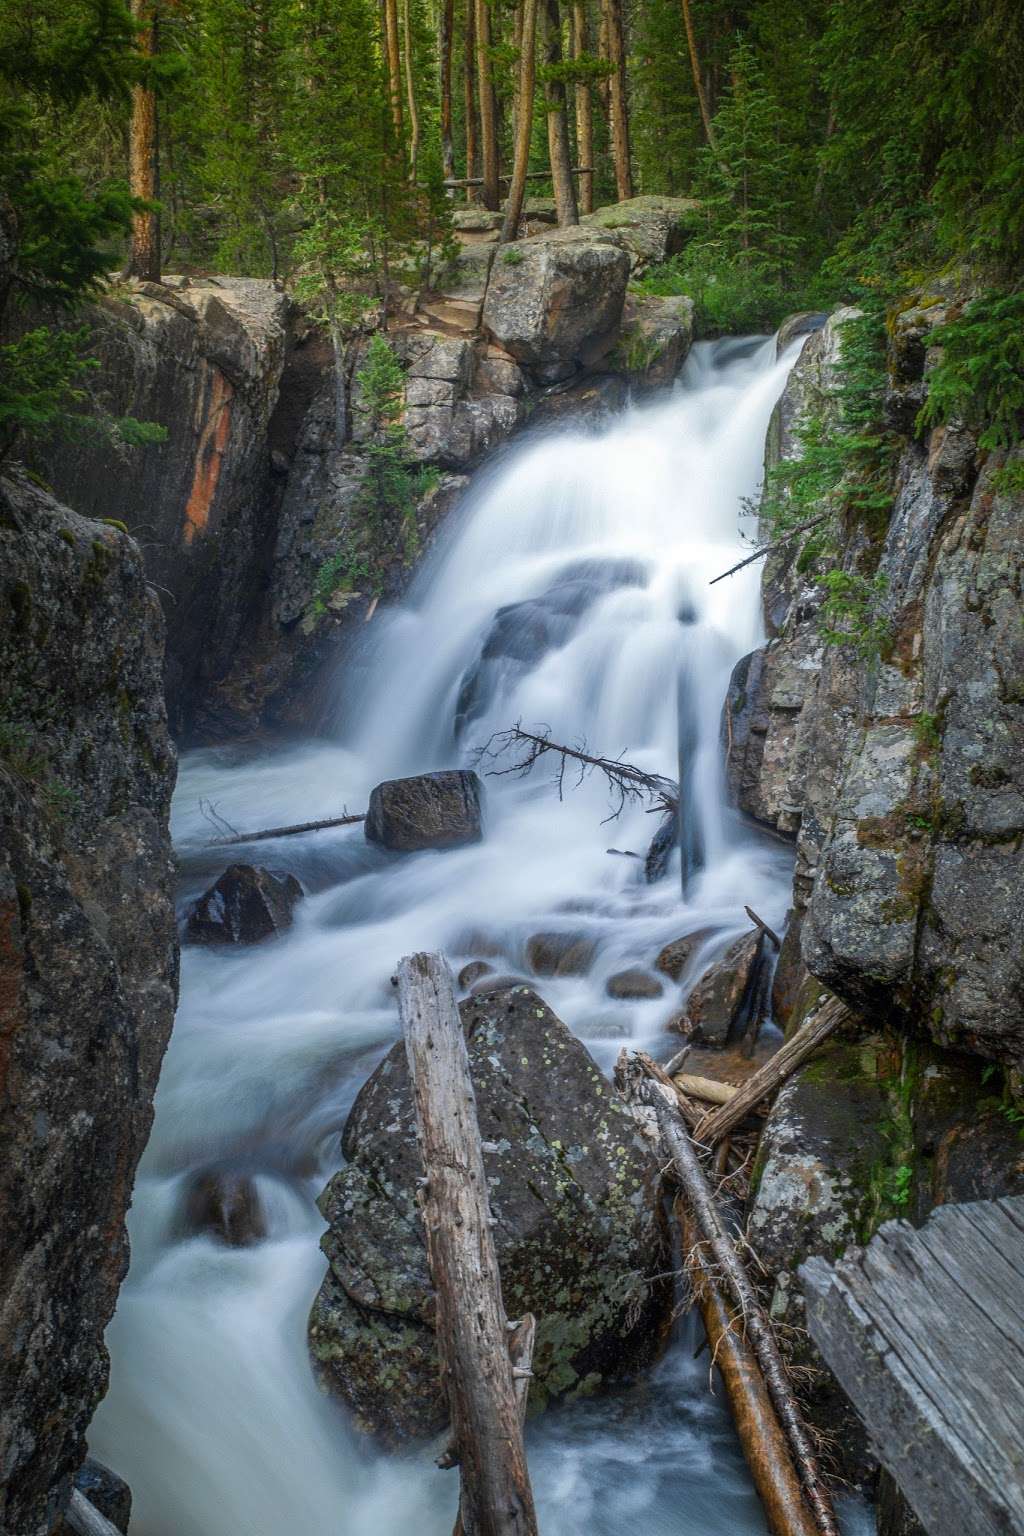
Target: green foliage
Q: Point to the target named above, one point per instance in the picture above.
(510, 257)
(731, 298)
(980, 379)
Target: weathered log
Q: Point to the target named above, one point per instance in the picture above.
(84, 1519)
(690, 1176)
(757, 1424)
(472, 1329)
(301, 826)
(759, 922)
(520, 1352)
(649, 1068)
(774, 1073)
(706, 1088)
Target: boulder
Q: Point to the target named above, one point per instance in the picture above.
(555, 301)
(633, 984)
(715, 1004)
(245, 906)
(574, 1192)
(675, 957)
(657, 334)
(88, 966)
(105, 1491)
(431, 810)
(474, 971)
(649, 228)
(560, 954)
(225, 1205)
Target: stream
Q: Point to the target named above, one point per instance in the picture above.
(571, 594)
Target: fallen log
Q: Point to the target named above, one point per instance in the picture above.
(84, 1519)
(760, 1434)
(690, 1176)
(301, 826)
(766, 549)
(759, 922)
(472, 1329)
(706, 1088)
(774, 1073)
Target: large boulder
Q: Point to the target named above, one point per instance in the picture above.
(430, 810)
(555, 300)
(649, 228)
(244, 906)
(88, 966)
(574, 1192)
(657, 333)
(714, 1008)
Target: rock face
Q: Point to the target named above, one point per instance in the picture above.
(555, 301)
(244, 906)
(657, 334)
(432, 810)
(649, 228)
(574, 1193)
(203, 360)
(88, 966)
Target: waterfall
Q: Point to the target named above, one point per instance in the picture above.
(574, 594)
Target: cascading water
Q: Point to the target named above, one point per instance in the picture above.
(575, 595)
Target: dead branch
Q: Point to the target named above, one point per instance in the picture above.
(759, 922)
(627, 783)
(344, 820)
(774, 1073)
(472, 1329)
(757, 1425)
(218, 822)
(690, 1175)
(766, 549)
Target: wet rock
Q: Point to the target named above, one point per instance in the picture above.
(633, 984)
(473, 972)
(555, 301)
(574, 1193)
(560, 954)
(245, 906)
(88, 966)
(675, 957)
(430, 810)
(657, 334)
(502, 983)
(662, 846)
(105, 1491)
(804, 323)
(715, 1004)
(225, 1205)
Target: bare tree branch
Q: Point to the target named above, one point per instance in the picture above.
(627, 783)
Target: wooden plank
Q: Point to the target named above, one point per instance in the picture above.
(472, 1328)
(923, 1331)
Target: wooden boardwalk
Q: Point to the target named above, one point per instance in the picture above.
(925, 1331)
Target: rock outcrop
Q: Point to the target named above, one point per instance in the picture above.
(88, 966)
(574, 1191)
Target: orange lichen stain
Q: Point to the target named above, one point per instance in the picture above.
(209, 456)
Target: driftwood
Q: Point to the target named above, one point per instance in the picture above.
(766, 549)
(84, 1518)
(757, 1425)
(707, 1088)
(627, 782)
(302, 826)
(472, 1329)
(774, 1073)
(690, 1176)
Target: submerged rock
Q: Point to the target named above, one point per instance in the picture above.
(575, 1194)
(560, 954)
(633, 983)
(675, 957)
(245, 906)
(225, 1205)
(474, 971)
(430, 810)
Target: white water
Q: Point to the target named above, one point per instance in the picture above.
(213, 1415)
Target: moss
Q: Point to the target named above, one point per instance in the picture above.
(68, 537)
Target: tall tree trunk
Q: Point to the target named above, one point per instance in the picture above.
(446, 29)
(698, 83)
(144, 252)
(584, 110)
(618, 100)
(394, 62)
(488, 105)
(604, 52)
(469, 97)
(410, 88)
(558, 124)
(524, 116)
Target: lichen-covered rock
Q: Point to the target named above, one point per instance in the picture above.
(574, 1191)
(244, 906)
(555, 300)
(649, 228)
(88, 966)
(430, 810)
(203, 360)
